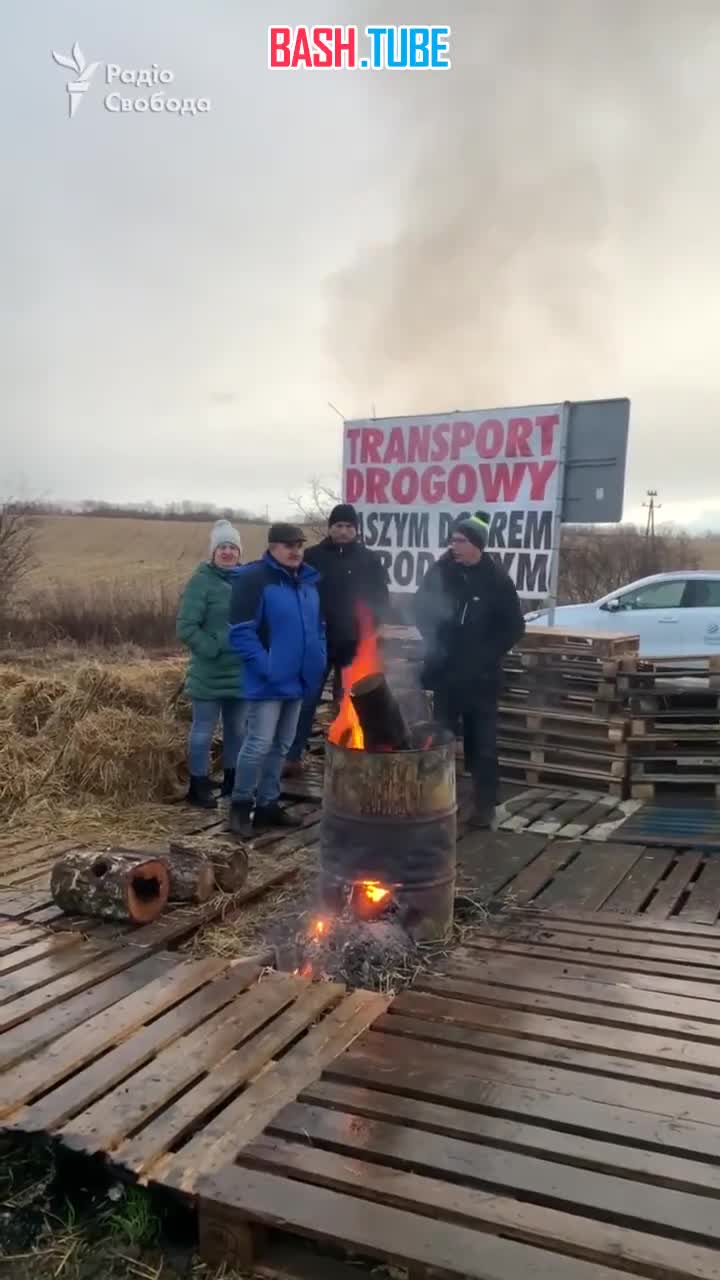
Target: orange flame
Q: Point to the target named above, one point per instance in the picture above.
(374, 891)
(345, 729)
(319, 928)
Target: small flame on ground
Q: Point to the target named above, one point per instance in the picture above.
(345, 729)
(318, 928)
(374, 891)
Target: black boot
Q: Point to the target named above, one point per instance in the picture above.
(271, 815)
(482, 817)
(200, 793)
(240, 819)
(228, 783)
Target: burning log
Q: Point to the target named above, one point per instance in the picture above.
(380, 717)
(114, 884)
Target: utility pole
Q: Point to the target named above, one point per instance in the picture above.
(652, 507)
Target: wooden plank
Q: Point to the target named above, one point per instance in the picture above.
(586, 985)
(703, 905)
(386, 1232)
(551, 1184)
(38, 949)
(540, 873)
(17, 905)
(589, 1151)
(93, 1077)
(70, 1052)
(489, 860)
(141, 1151)
(600, 1014)
(551, 1228)
(245, 1118)
(592, 878)
(454, 1070)
(671, 890)
(561, 815)
(534, 1094)
(670, 928)
(604, 959)
(601, 943)
(65, 960)
(603, 928)
(636, 887)
(18, 937)
(105, 966)
(27, 1038)
(486, 1030)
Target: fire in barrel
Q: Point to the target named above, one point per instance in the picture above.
(389, 806)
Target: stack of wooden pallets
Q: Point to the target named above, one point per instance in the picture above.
(562, 718)
(673, 712)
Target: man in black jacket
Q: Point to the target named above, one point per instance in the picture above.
(469, 615)
(350, 574)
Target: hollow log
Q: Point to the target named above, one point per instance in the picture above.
(114, 884)
(229, 861)
(380, 717)
(192, 878)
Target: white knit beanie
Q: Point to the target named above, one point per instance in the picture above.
(222, 531)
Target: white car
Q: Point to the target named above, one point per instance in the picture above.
(674, 614)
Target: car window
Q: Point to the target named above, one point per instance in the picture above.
(657, 595)
(702, 593)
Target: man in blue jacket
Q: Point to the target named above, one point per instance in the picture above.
(276, 627)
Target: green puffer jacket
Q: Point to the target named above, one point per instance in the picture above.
(202, 625)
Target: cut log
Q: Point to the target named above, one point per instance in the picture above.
(229, 861)
(114, 884)
(380, 717)
(192, 878)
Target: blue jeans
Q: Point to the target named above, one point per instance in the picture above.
(205, 718)
(269, 731)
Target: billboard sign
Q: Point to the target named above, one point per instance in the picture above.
(411, 478)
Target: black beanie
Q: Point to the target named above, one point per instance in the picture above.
(343, 513)
(475, 529)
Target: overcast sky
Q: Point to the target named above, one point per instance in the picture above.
(182, 296)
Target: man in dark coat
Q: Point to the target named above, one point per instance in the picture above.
(469, 615)
(350, 574)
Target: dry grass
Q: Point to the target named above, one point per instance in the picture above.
(87, 550)
(97, 746)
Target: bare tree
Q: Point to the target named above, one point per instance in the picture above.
(315, 507)
(17, 538)
(596, 561)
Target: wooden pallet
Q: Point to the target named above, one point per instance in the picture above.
(598, 644)
(206, 1049)
(548, 775)
(512, 1116)
(580, 725)
(541, 698)
(685, 728)
(566, 756)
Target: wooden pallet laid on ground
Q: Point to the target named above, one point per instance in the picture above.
(159, 1078)
(525, 868)
(512, 1116)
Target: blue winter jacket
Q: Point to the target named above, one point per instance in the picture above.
(277, 628)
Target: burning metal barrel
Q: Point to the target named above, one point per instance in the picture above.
(388, 833)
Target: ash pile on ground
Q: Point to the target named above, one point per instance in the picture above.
(377, 955)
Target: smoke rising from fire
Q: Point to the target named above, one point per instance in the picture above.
(556, 211)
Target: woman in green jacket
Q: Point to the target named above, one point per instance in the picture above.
(214, 677)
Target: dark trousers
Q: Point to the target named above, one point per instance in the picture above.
(479, 722)
(307, 714)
